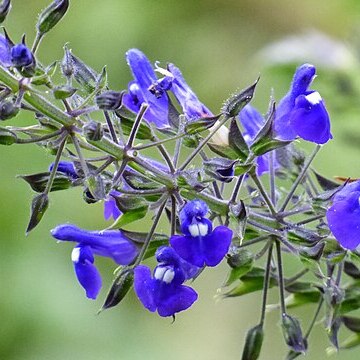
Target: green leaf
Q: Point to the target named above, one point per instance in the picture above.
(237, 141)
(224, 151)
(326, 184)
(251, 282)
(241, 263)
(352, 323)
(7, 137)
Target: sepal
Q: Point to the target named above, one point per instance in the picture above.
(39, 205)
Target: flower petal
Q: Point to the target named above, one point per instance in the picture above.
(175, 298)
(189, 249)
(144, 287)
(344, 220)
(5, 52)
(86, 273)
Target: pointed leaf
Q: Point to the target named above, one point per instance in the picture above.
(39, 205)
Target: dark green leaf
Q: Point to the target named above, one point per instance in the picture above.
(352, 323)
(326, 184)
(7, 137)
(240, 263)
(236, 140)
(39, 181)
(351, 270)
(200, 125)
(253, 343)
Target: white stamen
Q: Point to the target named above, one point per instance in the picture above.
(168, 276)
(198, 229)
(162, 71)
(75, 255)
(159, 272)
(313, 98)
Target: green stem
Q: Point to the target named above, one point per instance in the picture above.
(266, 284)
(300, 177)
(281, 278)
(40, 138)
(150, 234)
(56, 163)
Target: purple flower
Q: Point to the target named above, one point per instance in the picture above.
(67, 168)
(302, 112)
(5, 52)
(164, 291)
(344, 216)
(200, 245)
(110, 206)
(252, 122)
(109, 243)
(139, 93)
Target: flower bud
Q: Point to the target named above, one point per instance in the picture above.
(67, 66)
(5, 7)
(292, 333)
(109, 100)
(253, 343)
(8, 109)
(52, 15)
(83, 74)
(21, 55)
(221, 169)
(39, 205)
(93, 131)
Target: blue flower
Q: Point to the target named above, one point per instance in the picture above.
(164, 291)
(253, 121)
(109, 243)
(5, 52)
(139, 93)
(110, 206)
(302, 112)
(344, 216)
(174, 81)
(200, 245)
(67, 168)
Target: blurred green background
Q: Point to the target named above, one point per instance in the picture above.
(220, 46)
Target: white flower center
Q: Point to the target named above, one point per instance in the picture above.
(164, 274)
(75, 255)
(198, 229)
(313, 98)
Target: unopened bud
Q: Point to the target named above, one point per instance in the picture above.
(109, 100)
(253, 343)
(52, 15)
(221, 169)
(292, 333)
(21, 55)
(8, 110)
(83, 74)
(5, 7)
(67, 66)
(93, 131)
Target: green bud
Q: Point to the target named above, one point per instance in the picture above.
(120, 287)
(237, 101)
(5, 7)
(39, 205)
(253, 343)
(293, 334)
(84, 75)
(52, 15)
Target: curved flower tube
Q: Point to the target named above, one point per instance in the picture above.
(108, 243)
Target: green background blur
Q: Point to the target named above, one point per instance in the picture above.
(43, 311)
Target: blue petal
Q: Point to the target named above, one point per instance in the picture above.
(67, 168)
(108, 243)
(86, 273)
(144, 287)
(194, 209)
(21, 55)
(174, 298)
(144, 77)
(110, 206)
(344, 221)
(303, 77)
(310, 120)
(347, 190)
(252, 121)
(5, 52)
(191, 105)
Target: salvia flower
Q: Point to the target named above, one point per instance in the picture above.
(252, 122)
(165, 291)
(139, 90)
(200, 245)
(302, 112)
(108, 243)
(344, 216)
